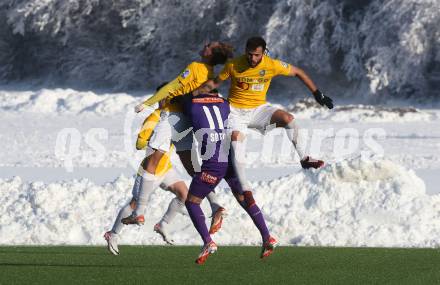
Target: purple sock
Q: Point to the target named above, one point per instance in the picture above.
(198, 219)
(258, 219)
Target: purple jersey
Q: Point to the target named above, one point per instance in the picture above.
(208, 115)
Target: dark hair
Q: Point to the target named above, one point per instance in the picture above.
(221, 53)
(255, 42)
(161, 85)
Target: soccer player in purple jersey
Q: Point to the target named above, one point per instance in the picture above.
(208, 114)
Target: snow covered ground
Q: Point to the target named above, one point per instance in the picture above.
(68, 157)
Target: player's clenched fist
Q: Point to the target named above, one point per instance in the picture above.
(322, 99)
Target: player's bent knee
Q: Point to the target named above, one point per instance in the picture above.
(150, 163)
(248, 198)
(286, 119)
(281, 118)
(180, 189)
(182, 196)
(289, 118)
(193, 199)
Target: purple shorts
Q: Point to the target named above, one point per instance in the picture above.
(204, 182)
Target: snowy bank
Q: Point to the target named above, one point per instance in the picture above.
(66, 101)
(73, 102)
(352, 203)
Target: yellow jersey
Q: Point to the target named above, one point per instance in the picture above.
(193, 76)
(144, 136)
(249, 85)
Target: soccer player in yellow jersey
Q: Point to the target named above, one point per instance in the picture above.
(176, 128)
(250, 76)
(167, 179)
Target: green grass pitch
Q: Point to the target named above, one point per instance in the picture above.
(230, 265)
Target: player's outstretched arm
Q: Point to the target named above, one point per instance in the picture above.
(207, 87)
(163, 93)
(319, 96)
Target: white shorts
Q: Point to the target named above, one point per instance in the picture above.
(258, 118)
(164, 182)
(173, 127)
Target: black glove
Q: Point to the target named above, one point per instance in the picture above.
(322, 99)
